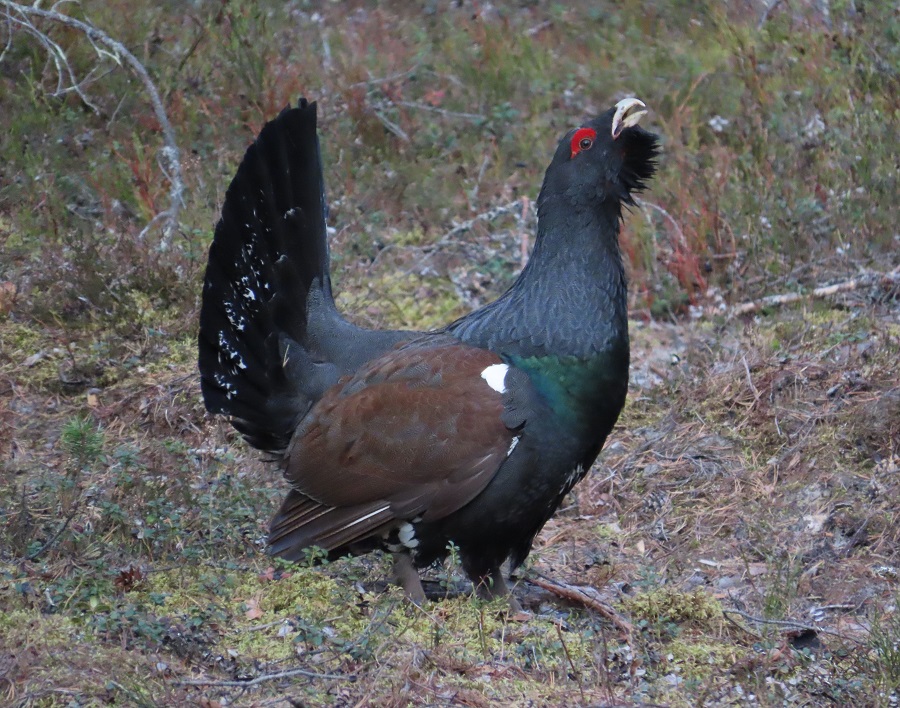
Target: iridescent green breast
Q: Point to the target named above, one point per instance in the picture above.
(583, 393)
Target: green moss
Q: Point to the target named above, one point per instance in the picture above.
(17, 338)
(406, 301)
(30, 350)
(25, 627)
(604, 533)
(667, 604)
(413, 237)
(305, 610)
(177, 354)
(696, 659)
(56, 656)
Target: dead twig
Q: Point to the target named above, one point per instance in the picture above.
(266, 677)
(769, 8)
(522, 208)
(575, 672)
(743, 628)
(53, 539)
(268, 625)
(524, 204)
(476, 117)
(790, 624)
(676, 227)
(581, 596)
(391, 126)
(489, 215)
(864, 280)
(385, 79)
(524, 246)
(20, 17)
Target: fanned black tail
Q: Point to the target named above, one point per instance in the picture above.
(271, 340)
(268, 255)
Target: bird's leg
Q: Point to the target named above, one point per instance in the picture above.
(407, 577)
(493, 585)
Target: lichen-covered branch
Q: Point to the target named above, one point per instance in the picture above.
(868, 278)
(20, 18)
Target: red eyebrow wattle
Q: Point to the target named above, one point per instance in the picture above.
(580, 135)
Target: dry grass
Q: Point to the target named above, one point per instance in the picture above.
(739, 536)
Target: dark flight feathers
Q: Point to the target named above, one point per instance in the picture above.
(416, 433)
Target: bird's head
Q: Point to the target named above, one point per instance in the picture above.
(609, 157)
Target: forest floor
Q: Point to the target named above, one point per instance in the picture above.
(741, 526)
(738, 540)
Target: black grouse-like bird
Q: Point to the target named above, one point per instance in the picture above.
(409, 441)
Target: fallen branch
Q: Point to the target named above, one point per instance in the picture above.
(477, 117)
(266, 677)
(864, 280)
(770, 6)
(391, 126)
(647, 206)
(524, 204)
(268, 625)
(53, 539)
(789, 624)
(583, 597)
(20, 16)
(524, 245)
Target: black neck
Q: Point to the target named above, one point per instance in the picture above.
(571, 297)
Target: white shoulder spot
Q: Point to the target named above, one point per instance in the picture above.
(495, 375)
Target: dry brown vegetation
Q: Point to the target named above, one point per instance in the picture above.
(738, 543)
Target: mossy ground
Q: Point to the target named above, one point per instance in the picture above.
(750, 492)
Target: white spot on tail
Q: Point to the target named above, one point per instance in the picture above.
(225, 385)
(228, 355)
(495, 375)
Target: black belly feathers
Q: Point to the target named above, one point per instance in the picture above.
(412, 441)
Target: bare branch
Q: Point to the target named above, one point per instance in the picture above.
(789, 624)
(864, 280)
(391, 126)
(384, 79)
(59, 532)
(646, 206)
(20, 17)
(9, 36)
(267, 677)
(477, 117)
(489, 215)
(585, 596)
(769, 8)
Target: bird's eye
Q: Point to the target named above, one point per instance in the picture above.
(582, 140)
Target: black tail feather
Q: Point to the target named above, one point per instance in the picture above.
(271, 340)
(269, 251)
(302, 522)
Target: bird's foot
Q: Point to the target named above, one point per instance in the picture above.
(493, 585)
(407, 577)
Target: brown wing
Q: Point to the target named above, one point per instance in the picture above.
(415, 433)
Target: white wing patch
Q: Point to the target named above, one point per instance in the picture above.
(573, 478)
(495, 375)
(512, 445)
